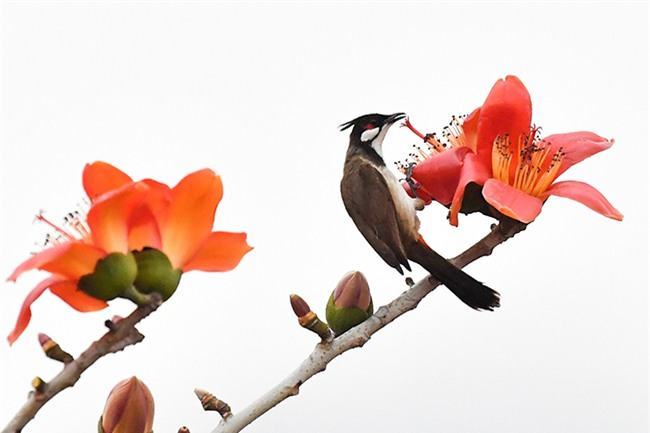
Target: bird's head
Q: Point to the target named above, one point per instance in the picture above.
(370, 130)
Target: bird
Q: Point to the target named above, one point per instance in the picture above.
(386, 216)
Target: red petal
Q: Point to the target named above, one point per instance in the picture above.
(421, 193)
(473, 170)
(577, 146)
(101, 177)
(25, 314)
(585, 194)
(80, 301)
(512, 202)
(221, 251)
(110, 215)
(470, 127)
(507, 110)
(71, 259)
(189, 218)
(439, 173)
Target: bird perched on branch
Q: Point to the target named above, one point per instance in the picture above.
(386, 215)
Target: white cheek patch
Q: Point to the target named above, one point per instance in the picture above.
(369, 134)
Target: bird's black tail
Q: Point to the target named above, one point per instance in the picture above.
(472, 292)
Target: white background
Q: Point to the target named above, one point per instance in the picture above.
(256, 92)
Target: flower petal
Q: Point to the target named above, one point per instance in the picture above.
(71, 259)
(189, 218)
(221, 251)
(506, 110)
(439, 173)
(80, 301)
(25, 314)
(577, 146)
(512, 202)
(470, 128)
(473, 170)
(101, 177)
(585, 194)
(110, 215)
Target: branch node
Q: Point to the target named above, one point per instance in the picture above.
(212, 403)
(39, 385)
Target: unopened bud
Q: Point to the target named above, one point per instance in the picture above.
(53, 350)
(308, 319)
(129, 409)
(113, 275)
(350, 303)
(156, 273)
(210, 402)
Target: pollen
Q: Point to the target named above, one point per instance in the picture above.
(452, 135)
(74, 227)
(530, 166)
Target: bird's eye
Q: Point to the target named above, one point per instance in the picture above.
(369, 126)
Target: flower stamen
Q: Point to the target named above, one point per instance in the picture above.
(531, 167)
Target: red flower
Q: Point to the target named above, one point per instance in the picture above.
(127, 216)
(496, 147)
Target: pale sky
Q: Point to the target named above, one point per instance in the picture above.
(256, 93)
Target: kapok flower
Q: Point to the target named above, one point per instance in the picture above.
(129, 408)
(496, 147)
(175, 221)
(116, 250)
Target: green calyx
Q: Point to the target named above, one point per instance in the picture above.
(342, 319)
(155, 273)
(113, 275)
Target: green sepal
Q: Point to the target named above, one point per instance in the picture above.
(112, 275)
(343, 319)
(156, 273)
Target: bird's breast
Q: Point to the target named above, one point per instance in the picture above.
(406, 214)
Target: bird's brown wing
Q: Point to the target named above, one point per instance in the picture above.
(367, 199)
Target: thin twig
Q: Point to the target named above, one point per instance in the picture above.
(121, 335)
(323, 353)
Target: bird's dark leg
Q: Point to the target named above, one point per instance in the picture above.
(409, 178)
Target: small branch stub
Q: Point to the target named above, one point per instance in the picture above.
(212, 403)
(53, 350)
(309, 320)
(39, 384)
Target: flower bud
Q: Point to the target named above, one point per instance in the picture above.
(129, 409)
(156, 273)
(112, 275)
(350, 303)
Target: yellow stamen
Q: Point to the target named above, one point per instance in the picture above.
(530, 167)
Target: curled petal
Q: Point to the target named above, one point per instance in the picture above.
(473, 170)
(585, 194)
(470, 128)
(577, 146)
(190, 215)
(101, 177)
(109, 216)
(80, 301)
(439, 173)
(420, 193)
(25, 314)
(511, 202)
(71, 259)
(221, 251)
(506, 110)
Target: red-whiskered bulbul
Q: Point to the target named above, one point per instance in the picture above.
(386, 216)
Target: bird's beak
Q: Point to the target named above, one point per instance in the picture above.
(394, 118)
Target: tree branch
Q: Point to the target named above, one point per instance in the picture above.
(323, 353)
(121, 335)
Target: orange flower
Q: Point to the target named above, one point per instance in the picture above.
(496, 147)
(128, 217)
